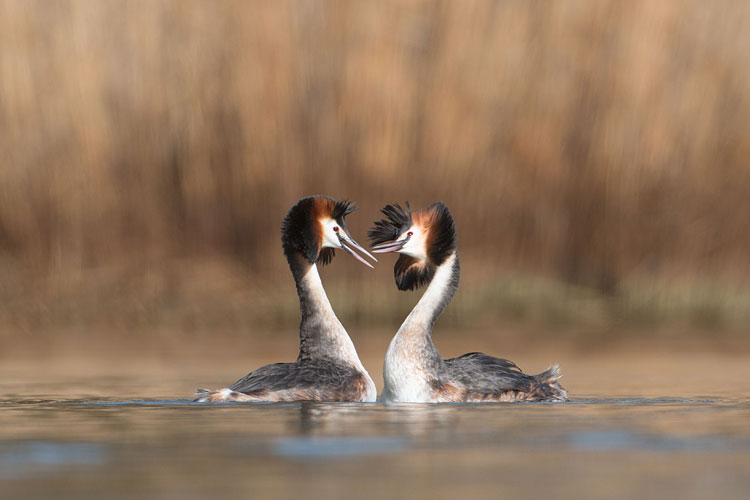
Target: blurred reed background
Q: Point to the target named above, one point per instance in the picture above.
(594, 154)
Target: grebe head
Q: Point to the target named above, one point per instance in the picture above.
(424, 238)
(315, 227)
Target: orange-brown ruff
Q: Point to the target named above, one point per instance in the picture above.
(321, 208)
(327, 367)
(413, 370)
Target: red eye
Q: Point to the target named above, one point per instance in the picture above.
(409, 234)
(335, 229)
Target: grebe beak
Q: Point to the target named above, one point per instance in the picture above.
(391, 246)
(348, 244)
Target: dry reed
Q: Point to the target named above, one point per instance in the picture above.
(601, 143)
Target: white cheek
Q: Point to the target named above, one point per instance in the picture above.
(330, 239)
(414, 252)
(416, 246)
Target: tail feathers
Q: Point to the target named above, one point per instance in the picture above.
(551, 376)
(220, 395)
(202, 395)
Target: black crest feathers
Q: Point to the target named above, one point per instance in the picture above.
(302, 232)
(440, 241)
(396, 222)
(442, 238)
(341, 209)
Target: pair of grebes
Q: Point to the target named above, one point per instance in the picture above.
(328, 368)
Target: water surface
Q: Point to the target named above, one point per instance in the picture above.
(590, 447)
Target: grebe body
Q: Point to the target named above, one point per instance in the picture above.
(327, 367)
(413, 370)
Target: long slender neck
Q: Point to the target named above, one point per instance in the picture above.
(322, 336)
(437, 296)
(412, 360)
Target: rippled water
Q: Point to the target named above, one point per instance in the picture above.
(587, 448)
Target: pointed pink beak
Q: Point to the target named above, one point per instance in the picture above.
(391, 246)
(349, 245)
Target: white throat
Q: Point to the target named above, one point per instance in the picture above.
(433, 297)
(407, 365)
(321, 317)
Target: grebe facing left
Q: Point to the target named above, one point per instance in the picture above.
(413, 370)
(327, 368)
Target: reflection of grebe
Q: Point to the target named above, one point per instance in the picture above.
(327, 368)
(413, 370)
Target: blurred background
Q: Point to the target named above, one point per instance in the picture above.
(594, 155)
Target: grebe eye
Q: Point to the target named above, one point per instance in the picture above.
(409, 234)
(335, 229)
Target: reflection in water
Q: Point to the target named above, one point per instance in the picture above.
(315, 416)
(319, 417)
(403, 418)
(634, 447)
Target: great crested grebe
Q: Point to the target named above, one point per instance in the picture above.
(413, 370)
(327, 368)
